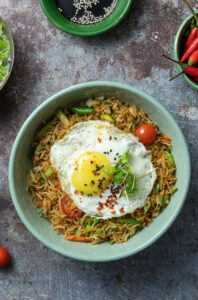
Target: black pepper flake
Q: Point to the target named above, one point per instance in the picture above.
(110, 150)
(93, 182)
(117, 153)
(105, 152)
(85, 184)
(91, 161)
(115, 158)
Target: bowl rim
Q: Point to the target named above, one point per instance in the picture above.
(176, 51)
(80, 31)
(12, 53)
(28, 122)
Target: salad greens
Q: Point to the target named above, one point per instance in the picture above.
(4, 53)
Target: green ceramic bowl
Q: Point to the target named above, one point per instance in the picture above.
(21, 162)
(178, 49)
(54, 15)
(11, 54)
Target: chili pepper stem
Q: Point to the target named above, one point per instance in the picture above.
(175, 61)
(192, 10)
(180, 73)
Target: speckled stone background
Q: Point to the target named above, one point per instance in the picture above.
(48, 60)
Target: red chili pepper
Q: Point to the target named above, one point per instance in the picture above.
(190, 50)
(193, 59)
(192, 71)
(192, 36)
(195, 78)
(99, 140)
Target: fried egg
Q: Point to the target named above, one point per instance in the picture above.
(83, 160)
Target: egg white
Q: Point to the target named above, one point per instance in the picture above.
(83, 137)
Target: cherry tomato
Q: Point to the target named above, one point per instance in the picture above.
(69, 208)
(4, 257)
(147, 134)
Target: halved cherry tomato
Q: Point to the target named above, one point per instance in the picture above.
(77, 238)
(69, 208)
(147, 134)
(4, 257)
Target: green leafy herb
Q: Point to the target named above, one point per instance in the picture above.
(130, 221)
(160, 134)
(174, 190)
(91, 223)
(146, 209)
(42, 181)
(124, 175)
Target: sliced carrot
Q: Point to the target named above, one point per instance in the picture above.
(59, 186)
(167, 138)
(77, 238)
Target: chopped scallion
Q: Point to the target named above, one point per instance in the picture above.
(163, 200)
(48, 173)
(157, 189)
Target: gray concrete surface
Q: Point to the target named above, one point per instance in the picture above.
(48, 60)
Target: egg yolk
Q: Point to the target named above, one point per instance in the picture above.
(90, 175)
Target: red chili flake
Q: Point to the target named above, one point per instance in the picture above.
(76, 192)
(122, 211)
(76, 168)
(114, 201)
(113, 212)
(110, 137)
(100, 195)
(99, 212)
(99, 140)
(101, 205)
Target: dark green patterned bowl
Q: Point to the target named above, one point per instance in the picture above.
(61, 22)
(10, 60)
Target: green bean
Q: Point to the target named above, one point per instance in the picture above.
(83, 110)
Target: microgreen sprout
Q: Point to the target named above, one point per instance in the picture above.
(123, 175)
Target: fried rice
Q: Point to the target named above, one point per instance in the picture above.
(47, 194)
